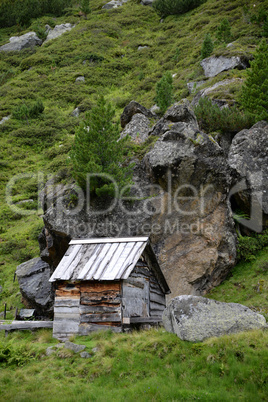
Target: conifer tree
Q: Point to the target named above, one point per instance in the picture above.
(164, 92)
(223, 33)
(254, 94)
(97, 151)
(207, 47)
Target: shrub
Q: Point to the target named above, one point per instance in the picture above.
(223, 33)
(84, 7)
(249, 246)
(171, 7)
(207, 47)
(227, 120)
(164, 90)
(254, 94)
(22, 11)
(26, 111)
(97, 150)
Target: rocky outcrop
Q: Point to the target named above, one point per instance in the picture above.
(248, 156)
(213, 66)
(6, 118)
(195, 319)
(33, 277)
(179, 198)
(114, 4)
(17, 43)
(138, 128)
(58, 31)
(210, 91)
(131, 109)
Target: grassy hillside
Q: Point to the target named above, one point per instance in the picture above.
(145, 366)
(104, 49)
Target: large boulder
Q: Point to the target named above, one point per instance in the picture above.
(195, 318)
(179, 198)
(138, 128)
(17, 43)
(213, 65)
(33, 277)
(248, 156)
(58, 31)
(131, 109)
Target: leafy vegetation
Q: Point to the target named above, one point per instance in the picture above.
(223, 32)
(164, 92)
(227, 120)
(254, 95)
(151, 365)
(97, 151)
(207, 46)
(173, 7)
(248, 246)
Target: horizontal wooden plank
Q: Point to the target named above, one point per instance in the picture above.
(99, 309)
(156, 306)
(64, 302)
(144, 320)
(154, 297)
(26, 325)
(109, 240)
(66, 317)
(85, 329)
(65, 326)
(66, 310)
(68, 293)
(96, 287)
(100, 318)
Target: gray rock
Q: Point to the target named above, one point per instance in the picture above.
(114, 4)
(131, 109)
(33, 277)
(80, 79)
(195, 318)
(75, 348)
(58, 31)
(209, 91)
(248, 155)
(95, 350)
(50, 350)
(138, 128)
(17, 43)
(26, 313)
(1, 289)
(155, 109)
(147, 2)
(75, 112)
(192, 86)
(212, 66)
(142, 47)
(6, 118)
(85, 355)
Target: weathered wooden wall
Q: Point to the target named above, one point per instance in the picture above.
(100, 306)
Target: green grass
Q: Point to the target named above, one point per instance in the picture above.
(145, 366)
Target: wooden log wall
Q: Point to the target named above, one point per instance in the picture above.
(157, 302)
(100, 306)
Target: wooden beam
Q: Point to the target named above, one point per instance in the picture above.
(19, 325)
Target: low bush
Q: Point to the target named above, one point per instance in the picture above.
(164, 92)
(227, 120)
(207, 47)
(171, 7)
(26, 111)
(223, 33)
(248, 246)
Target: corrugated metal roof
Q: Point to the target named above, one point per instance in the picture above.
(100, 259)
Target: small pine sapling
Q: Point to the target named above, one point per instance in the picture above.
(223, 33)
(207, 47)
(164, 92)
(84, 7)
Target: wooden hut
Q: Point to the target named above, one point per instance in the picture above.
(107, 284)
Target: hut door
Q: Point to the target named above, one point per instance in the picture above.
(135, 300)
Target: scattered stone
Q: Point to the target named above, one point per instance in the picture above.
(75, 348)
(142, 47)
(138, 128)
(59, 345)
(209, 91)
(75, 112)
(50, 350)
(6, 118)
(131, 109)
(95, 350)
(1, 289)
(193, 85)
(147, 2)
(195, 318)
(85, 355)
(114, 4)
(58, 31)
(155, 109)
(17, 43)
(249, 157)
(33, 277)
(80, 79)
(26, 313)
(212, 66)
